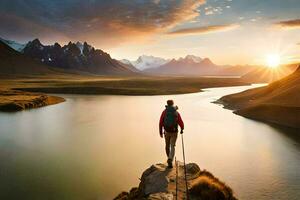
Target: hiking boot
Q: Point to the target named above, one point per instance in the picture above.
(170, 165)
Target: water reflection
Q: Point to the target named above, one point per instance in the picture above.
(96, 146)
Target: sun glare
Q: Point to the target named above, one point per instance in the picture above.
(273, 60)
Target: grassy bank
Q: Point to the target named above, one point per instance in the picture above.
(117, 85)
(19, 93)
(11, 100)
(278, 103)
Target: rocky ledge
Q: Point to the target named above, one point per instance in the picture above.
(159, 183)
(14, 100)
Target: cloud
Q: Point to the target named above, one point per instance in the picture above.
(289, 24)
(204, 29)
(104, 23)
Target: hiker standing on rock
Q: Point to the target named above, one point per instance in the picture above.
(169, 121)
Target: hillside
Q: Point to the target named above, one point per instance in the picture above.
(268, 75)
(14, 63)
(14, 45)
(277, 103)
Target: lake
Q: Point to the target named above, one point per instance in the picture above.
(93, 147)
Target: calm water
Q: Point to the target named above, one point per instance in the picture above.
(93, 147)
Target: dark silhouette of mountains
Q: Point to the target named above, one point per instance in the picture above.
(76, 56)
(82, 58)
(15, 63)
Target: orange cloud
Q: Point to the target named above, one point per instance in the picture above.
(289, 24)
(102, 23)
(204, 29)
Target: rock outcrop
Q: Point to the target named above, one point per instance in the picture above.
(159, 183)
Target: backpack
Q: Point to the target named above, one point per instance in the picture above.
(171, 120)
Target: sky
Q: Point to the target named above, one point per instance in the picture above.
(226, 31)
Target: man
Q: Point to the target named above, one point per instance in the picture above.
(169, 121)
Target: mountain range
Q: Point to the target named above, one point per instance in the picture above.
(190, 65)
(146, 62)
(83, 58)
(77, 57)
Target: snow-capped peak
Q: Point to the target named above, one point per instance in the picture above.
(194, 58)
(15, 45)
(80, 46)
(191, 58)
(145, 62)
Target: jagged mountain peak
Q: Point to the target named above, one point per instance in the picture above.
(56, 44)
(207, 61)
(76, 55)
(194, 58)
(190, 59)
(36, 41)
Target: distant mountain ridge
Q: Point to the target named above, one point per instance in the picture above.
(83, 58)
(146, 62)
(76, 56)
(189, 65)
(191, 58)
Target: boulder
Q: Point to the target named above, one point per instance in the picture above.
(159, 182)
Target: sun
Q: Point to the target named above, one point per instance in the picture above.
(273, 60)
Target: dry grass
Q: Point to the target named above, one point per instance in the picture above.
(124, 85)
(207, 187)
(277, 103)
(11, 100)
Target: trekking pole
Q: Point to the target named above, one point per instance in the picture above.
(186, 184)
(176, 177)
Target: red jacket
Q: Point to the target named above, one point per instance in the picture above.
(161, 121)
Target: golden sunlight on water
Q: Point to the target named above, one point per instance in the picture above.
(96, 146)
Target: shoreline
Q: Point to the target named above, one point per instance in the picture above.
(283, 116)
(14, 100)
(26, 93)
